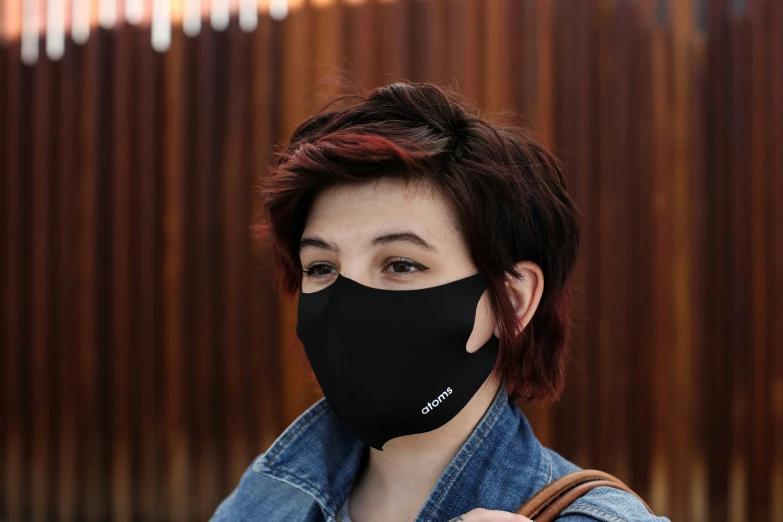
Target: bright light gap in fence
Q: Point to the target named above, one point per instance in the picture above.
(161, 25)
(80, 21)
(29, 32)
(191, 18)
(107, 13)
(248, 15)
(278, 9)
(134, 11)
(55, 29)
(220, 15)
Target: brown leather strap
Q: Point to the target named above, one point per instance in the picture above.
(548, 503)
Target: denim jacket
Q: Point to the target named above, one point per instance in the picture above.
(307, 474)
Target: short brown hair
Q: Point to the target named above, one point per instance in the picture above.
(506, 189)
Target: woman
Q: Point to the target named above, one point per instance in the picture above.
(431, 251)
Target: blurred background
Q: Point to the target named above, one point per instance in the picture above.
(145, 357)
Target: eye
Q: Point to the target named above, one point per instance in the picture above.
(403, 266)
(319, 270)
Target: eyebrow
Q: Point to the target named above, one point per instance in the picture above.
(384, 239)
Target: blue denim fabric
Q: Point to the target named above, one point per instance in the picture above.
(307, 474)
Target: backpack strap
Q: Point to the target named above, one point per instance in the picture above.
(549, 502)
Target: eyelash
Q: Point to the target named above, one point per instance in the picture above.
(308, 272)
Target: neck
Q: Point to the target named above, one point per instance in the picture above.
(397, 480)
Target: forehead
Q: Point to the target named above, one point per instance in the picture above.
(384, 202)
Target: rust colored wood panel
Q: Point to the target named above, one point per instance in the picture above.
(235, 210)
(496, 56)
(685, 453)
(738, 305)
(123, 308)
(351, 26)
(661, 291)
(391, 29)
(774, 125)
(759, 239)
(332, 50)
(265, 356)
(425, 33)
(66, 188)
(42, 280)
(201, 237)
(463, 46)
(642, 356)
(92, 94)
(146, 274)
(613, 262)
(299, 388)
(139, 312)
(177, 439)
(15, 266)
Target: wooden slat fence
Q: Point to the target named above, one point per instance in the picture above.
(146, 359)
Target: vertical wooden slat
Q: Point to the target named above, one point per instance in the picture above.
(92, 441)
(3, 243)
(66, 284)
(176, 446)
(661, 295)
(390, 26)
(497, 58)
(463, 49)
(202, 271)
(759, 236)
(684, 454)
(351, 27)
(698, 473)
(122, 306)
(426, 36)
(717, 366)
(642, 357)
(41, 286)
(775, 153)
(613, 270)
(234, 208)
(15, 475)
(264, 354)
(566, 139)
(146, 272)
(738, 305)
(299, 388)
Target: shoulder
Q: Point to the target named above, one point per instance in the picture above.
(258, 497)
(600, 504)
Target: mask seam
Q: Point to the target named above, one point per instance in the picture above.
(489, 424)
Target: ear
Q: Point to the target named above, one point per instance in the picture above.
(525, 293)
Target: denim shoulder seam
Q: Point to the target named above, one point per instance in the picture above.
(591, 511)
(549, 466)
(283, 444)
(489, 424)
(298, 482)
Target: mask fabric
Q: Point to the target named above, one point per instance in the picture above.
(393, 362)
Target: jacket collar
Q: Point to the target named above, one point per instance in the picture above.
(319, 455)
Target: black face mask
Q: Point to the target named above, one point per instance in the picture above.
(393, 362)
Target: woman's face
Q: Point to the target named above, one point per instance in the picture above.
(383, 234)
